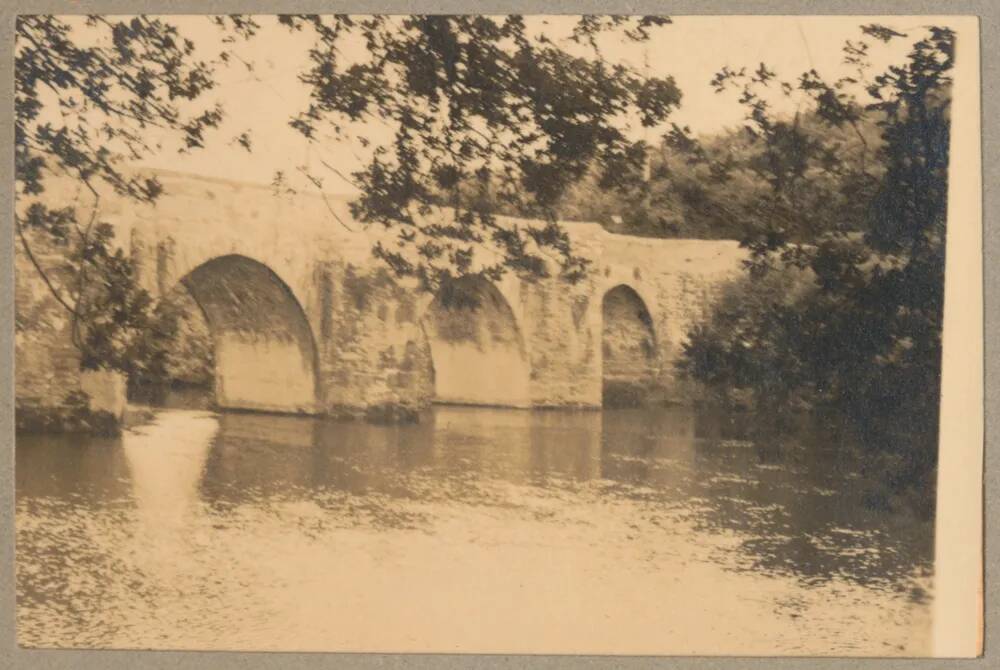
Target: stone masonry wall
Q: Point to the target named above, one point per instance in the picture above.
(373, 352)
(49, 386)
(678, 281)
(47, 365)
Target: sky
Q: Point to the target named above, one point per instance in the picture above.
(692, 50)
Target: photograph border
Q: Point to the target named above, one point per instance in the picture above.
(963, 349)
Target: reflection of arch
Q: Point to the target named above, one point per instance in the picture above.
(477, 349)
(629, 346)
(265, 355)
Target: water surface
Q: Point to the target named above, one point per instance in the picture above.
(482, 530)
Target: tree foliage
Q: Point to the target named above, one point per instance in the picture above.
(87, 93)
(484, 116)
(850, 314)
(710, 187)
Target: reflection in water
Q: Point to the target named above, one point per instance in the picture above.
(474, 530)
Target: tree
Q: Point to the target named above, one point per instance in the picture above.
(86, 92)
(860, 328)
(710, 187)
(485, 117)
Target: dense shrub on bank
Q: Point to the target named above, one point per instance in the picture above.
(780, 345)
(72, 415)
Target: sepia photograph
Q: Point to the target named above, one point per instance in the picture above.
(498, 334)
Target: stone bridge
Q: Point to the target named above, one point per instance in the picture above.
(305, 320)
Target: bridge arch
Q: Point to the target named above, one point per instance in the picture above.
(477, 347)
(264, 351)
(628, 344)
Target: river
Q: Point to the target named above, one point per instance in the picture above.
(484, 530)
